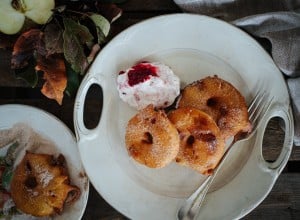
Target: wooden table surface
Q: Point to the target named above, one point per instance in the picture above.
(283, 202)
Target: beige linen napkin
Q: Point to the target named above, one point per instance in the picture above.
(278, 21)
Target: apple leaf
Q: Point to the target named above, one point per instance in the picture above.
(102, 26)
(53, 39)
(75, 37)
(24, 48)
(28, 73)
(73, 81)
(54, 75)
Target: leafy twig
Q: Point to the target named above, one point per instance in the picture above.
(64, 47)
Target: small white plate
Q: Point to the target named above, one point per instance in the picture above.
(193, 46)
(52, 129)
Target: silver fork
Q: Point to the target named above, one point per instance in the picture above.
(257, 109)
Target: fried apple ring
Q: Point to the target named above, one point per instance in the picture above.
(221, 100)
(41, 186)
(151, 139)
(201, 144)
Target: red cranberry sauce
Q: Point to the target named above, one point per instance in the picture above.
(141, 72)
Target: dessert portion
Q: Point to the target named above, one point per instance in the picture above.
(36, 182)
(201, 143)
(148, 83)
(40, 185)
(151, 139)
(221, 100)
(207, 113)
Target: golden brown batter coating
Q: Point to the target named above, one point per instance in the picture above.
(151, 139)
(40, 185)
(222, 101)
(201, 144)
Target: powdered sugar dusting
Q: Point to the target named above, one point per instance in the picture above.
(44, 176)
(32, 192)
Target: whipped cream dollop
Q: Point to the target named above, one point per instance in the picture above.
(148, 83)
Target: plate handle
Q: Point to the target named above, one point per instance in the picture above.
(286, 115)
(79, 127)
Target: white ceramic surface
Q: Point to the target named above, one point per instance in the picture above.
(193, 46)
(51, 128)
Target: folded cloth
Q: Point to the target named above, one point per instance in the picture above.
(230, 10)
(275, 20)
(282, 29)
(294, 86)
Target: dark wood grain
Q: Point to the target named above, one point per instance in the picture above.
(157, 6)
(283, 202)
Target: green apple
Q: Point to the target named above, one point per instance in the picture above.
(14, 12)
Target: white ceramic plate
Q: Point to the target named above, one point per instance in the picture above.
(51, 128)
(194, 47)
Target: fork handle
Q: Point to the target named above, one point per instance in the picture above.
(192, 206)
